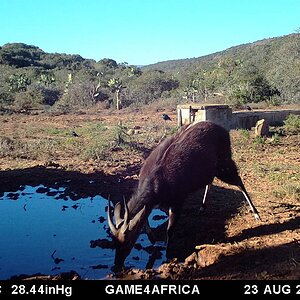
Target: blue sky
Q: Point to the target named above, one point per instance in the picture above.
(142, 32)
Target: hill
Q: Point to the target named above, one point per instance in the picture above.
(270, 66)
(242, 52)
(264, 71)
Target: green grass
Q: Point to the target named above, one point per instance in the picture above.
(95, 141)
(244, 134)
(288, 191)
(292, 124)
(96, 152)
(283, 176)
(268, 159)
(92, 129)
(12, 147)
(27, 149)
(55, 131)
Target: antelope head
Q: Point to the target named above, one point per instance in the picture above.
(125, 231)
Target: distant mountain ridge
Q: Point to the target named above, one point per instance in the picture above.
(252, 72)
(170, 65)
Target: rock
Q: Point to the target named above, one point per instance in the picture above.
(261, 128)
(130, 132)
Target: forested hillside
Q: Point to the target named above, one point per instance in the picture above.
(264, 71)
(267, 70)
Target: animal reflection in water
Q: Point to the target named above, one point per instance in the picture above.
(180, 165)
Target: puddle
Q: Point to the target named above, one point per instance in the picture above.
(44, 230)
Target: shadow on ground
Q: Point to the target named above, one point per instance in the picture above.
(207, 227)
(278, 262)
(77, 185)
(266, 229)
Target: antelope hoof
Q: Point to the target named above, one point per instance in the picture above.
(118, 268)
(202, 208)
(257, 217)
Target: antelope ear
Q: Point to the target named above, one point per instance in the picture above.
(137, 218)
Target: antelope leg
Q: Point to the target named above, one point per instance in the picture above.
(246, 195)
(207, 189)
(170, 223)
(174, 214)
(149, 232)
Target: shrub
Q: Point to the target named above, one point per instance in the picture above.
(292, 124)
(275, 139)
(244, 133)
(259, 140)
(31, 98)
(96, 151)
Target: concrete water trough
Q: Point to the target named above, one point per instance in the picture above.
(223, 115)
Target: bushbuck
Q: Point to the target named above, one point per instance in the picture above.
(180, 165)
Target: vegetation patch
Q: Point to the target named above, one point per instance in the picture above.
(259, 73)
(292, 124)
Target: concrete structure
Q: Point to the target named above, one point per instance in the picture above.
(219, 114)
(248, 119)
(223, 115)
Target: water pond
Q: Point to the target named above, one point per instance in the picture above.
(43, 231)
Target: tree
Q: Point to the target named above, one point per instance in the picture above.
(240, 93)
(149, 86)
(107, 62)
(133, 71)
(116, 86)
(47, 79)
(204, 83)
(190, 93)
(20, 55)
(18, 82)
(262, 90)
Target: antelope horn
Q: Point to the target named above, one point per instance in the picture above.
(117, 214)
(110, 223)
(126, 215)
(137, 218)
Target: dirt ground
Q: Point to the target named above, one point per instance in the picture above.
(224, 241)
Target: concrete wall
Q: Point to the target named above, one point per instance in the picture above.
(223, 115)
(247, 120)
(219, 114)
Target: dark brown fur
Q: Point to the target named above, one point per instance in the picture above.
(177, 167)
(182, 164)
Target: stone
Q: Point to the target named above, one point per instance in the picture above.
(261, 128)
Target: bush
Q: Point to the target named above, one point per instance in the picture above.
(31, 98)
(50, 95)
(6, 98)
(11, 147)
(292, 124)
(275, 139)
